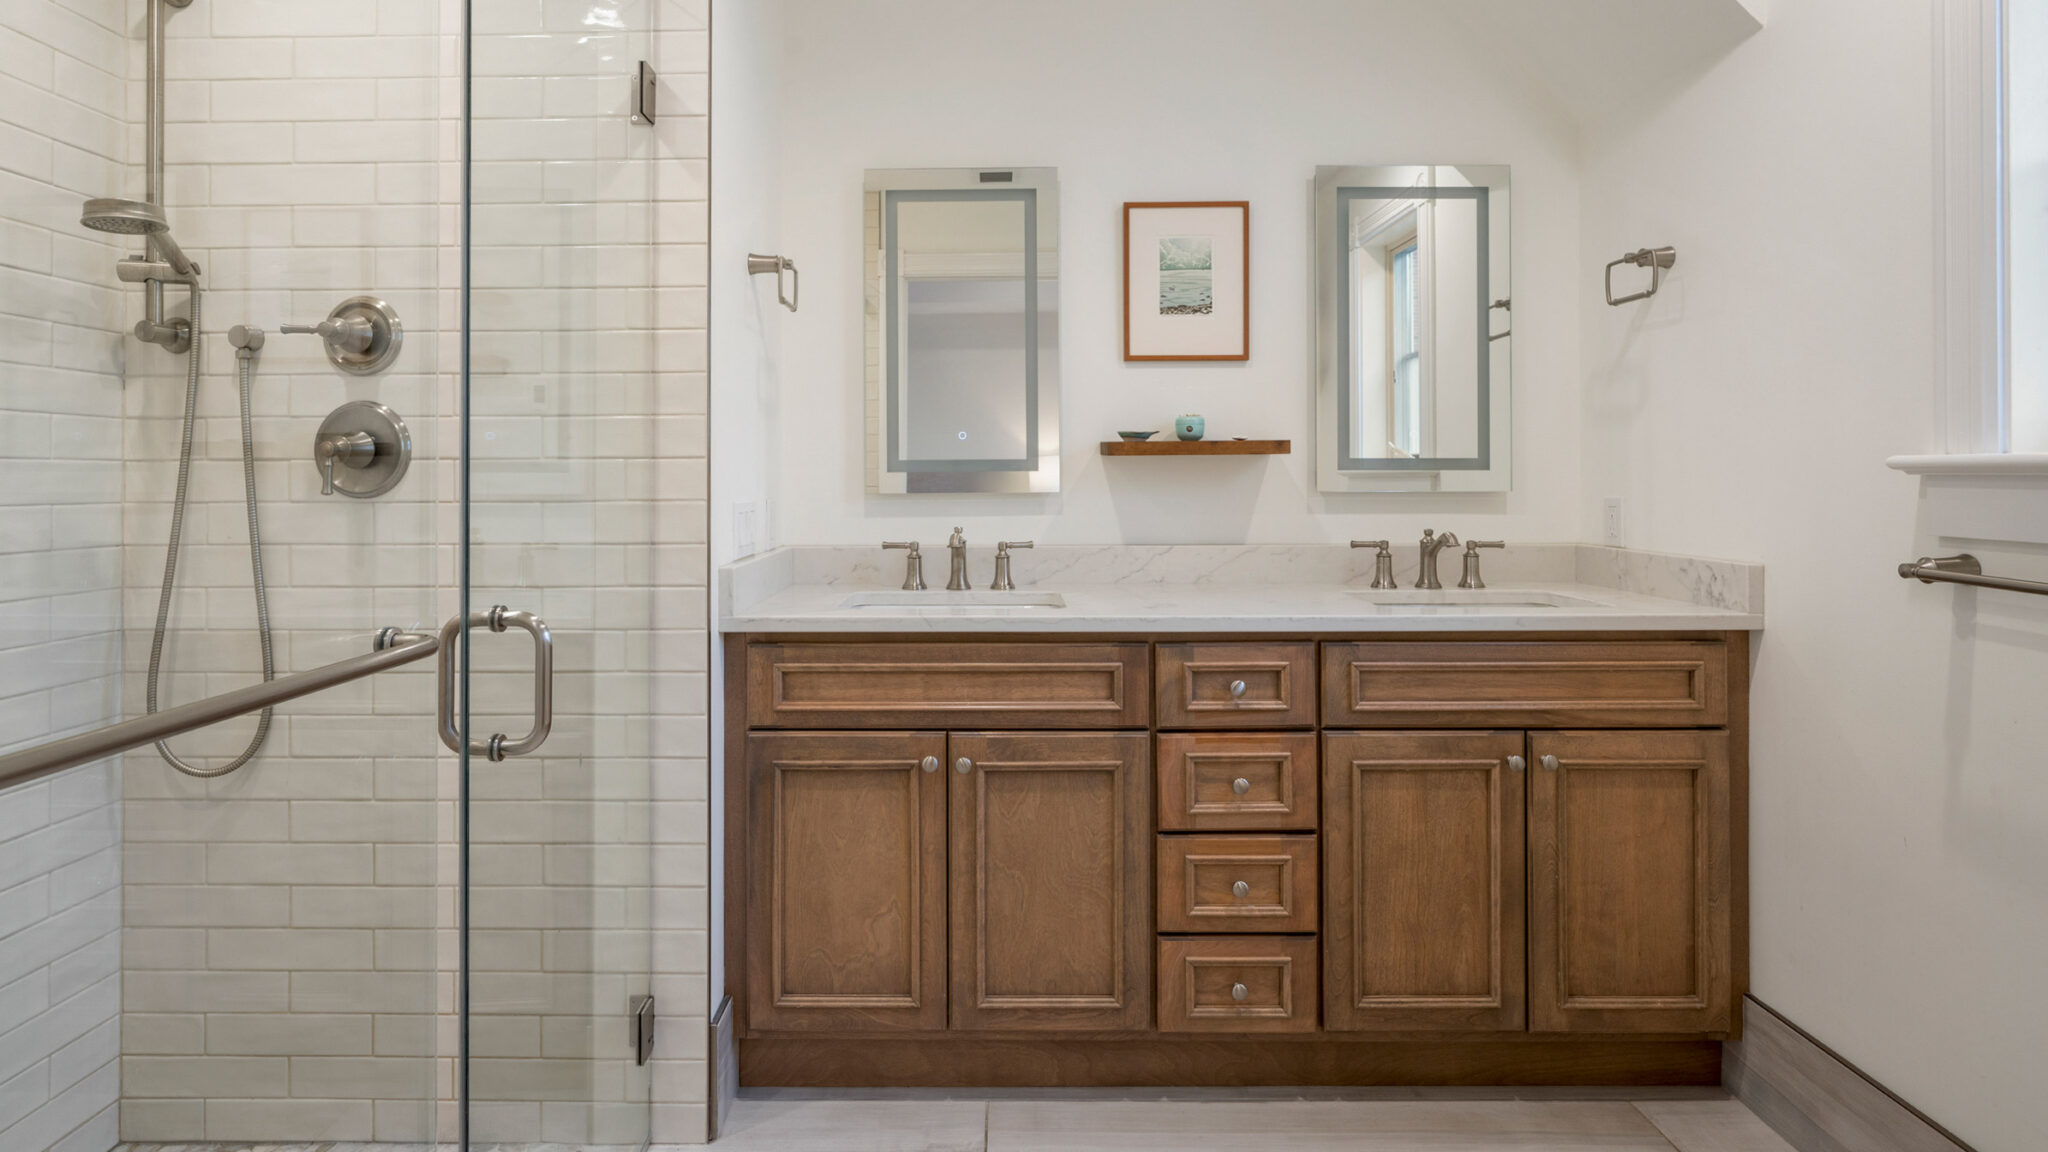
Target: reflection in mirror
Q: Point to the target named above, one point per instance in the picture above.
(1412, 306)
(963, 330)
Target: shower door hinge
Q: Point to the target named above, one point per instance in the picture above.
(643, 94)
(643, 1028)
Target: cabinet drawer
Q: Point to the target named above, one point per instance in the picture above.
(868, 685)
(1623, 684)
(1237, 884)
(1232, 782)
(1237, 984)
(1237, 685)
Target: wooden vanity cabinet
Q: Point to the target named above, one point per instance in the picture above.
(1439, 859)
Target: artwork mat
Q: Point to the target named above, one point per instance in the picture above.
(1222, 334)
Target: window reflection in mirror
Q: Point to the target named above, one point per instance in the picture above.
(1412, 323)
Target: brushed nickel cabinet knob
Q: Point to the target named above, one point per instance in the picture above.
(1237, 688)
(1516, 763)
(1239, 992)
(931, 763)
(1240, 785)
(963, 765)
(1549, 763)
(1240, 889)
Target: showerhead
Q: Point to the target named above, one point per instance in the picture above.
(136, 218)
(127, 217)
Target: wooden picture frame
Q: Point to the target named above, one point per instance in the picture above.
(1188, 263)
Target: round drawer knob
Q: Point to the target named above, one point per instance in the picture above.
(1516, 763)
(931, 763)
(1239, 992)
(963, 765)
(1240, 889)
(1549, 763)
(1237, 689)
(1240, 785)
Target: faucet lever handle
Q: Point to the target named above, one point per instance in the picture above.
(1473, 546)
(1004, 547)
(913, 564)
(1383, 545)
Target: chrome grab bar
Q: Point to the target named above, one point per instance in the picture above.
(500, 746)
(1964, 569)
(393, 649)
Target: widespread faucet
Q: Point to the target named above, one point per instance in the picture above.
(1431, 545)
(956, 572)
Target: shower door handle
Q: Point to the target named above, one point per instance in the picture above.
(500, 746)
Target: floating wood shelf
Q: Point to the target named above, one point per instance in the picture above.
(1197, 447)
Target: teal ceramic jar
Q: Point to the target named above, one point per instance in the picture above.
(1188, 427)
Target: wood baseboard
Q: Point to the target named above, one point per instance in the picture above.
(956, 1063)
(1816, 1100)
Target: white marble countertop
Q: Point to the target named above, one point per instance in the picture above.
(1218, 590)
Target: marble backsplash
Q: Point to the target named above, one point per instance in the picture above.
(1725, 584)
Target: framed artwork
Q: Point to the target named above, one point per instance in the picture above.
(1188, 280)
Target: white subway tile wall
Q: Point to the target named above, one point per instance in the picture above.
(287, 965)
(63, 138)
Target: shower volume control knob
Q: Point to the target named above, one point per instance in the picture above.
(362, 335)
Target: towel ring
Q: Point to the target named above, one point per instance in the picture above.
(765, 265)
(1655, 259)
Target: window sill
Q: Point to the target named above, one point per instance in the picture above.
(1973, 464)
(1993, 497)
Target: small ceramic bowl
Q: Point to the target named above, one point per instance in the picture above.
(1138, 435)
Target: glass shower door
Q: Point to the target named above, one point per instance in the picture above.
(558, 388)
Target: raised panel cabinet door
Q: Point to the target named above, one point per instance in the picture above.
(1630, 882)
(846, 902)
(1050, 851)
(1422, 872)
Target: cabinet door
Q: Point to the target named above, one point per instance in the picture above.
(846, 908)
(1051, 883)
(1630, 882)
(1423, 872)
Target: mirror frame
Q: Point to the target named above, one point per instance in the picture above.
(1491, 470)
(888, 473)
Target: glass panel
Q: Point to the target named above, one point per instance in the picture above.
(561, 393)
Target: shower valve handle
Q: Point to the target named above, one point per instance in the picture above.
(355, 450)
(352, 335)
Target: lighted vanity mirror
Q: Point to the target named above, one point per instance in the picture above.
(1412, 322)
(962, 319)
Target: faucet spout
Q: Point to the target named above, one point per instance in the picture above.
(956, 572)
(1431, 545)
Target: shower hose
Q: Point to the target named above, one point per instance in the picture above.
(245, 370)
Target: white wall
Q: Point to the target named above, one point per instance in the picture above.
(63, 137)
(1160, 100)
(1899, 811)
(746, 323)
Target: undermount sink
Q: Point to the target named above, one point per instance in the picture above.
(937, 601)
(1454, 601)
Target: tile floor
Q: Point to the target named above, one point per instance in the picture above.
(1397, 1122)
(1352, 1120)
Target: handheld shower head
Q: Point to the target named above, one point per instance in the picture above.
(136, 218)
(127, 217)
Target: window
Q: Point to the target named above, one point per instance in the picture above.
(1404, 353)
(2026, 225)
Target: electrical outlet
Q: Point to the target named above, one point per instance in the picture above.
(743, 529)
(765, 531)
(1610, 521)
